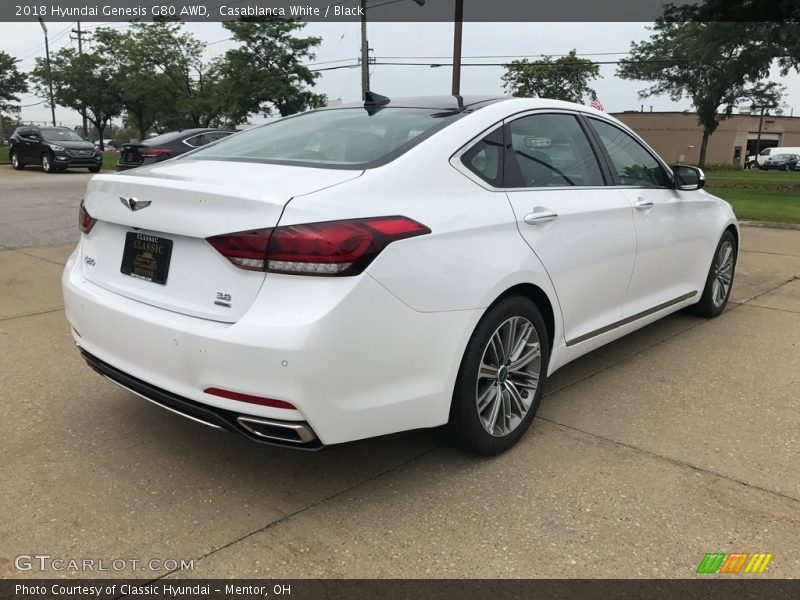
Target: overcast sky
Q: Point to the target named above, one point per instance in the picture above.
(341, 41)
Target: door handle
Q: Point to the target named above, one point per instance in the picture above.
(642, 204)
(540, 217)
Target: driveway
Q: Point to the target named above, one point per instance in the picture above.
(675, 441)
(38, 208)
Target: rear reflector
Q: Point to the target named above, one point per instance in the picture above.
(329, 248)
(248, 398)
(85, 220)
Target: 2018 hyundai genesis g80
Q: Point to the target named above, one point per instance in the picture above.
(366, 269)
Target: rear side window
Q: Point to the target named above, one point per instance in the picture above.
(550, 150)
(205, 138)
(485, 158)
(633, 165)
(338, 138)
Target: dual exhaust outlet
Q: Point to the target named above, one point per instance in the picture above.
(292, 432)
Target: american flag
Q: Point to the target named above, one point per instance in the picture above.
(595, 102)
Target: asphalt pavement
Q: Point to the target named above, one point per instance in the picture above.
(39, 209)
(677, 440)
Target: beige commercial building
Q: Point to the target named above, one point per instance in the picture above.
(677, 136)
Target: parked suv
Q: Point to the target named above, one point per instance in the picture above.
(54, 148)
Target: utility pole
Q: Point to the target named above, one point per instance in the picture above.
(763, 107)
(49, 74)
(364, 52)
(458, 23)
(79, 36)
(365, 46)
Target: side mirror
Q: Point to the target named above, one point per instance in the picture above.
(688, 178)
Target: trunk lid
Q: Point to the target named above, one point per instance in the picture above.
(129, 154)
(179, 204)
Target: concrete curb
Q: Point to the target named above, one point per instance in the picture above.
(770, 224)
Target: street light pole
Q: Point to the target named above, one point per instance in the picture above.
(49, 74)
(458, 23)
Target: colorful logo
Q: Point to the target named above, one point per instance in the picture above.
(719, 562)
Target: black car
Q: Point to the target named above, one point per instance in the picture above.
(166, 145)
(52, 148)
(782, 162)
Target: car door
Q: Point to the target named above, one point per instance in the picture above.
(581, 229)
(670, 224)
(26, 143)
(37, 146)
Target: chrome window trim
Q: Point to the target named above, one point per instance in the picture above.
(455, 159)
(186, 141)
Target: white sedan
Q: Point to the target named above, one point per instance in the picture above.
(393, 265)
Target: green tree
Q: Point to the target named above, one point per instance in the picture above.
(265, 73)
(12, 83)
(144, 92)
(81, 82)
(565, 78)
(165, 80)
(714, 64)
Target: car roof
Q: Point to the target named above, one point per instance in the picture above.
(199, 130)
(443, 103)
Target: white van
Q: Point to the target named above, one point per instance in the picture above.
(753, 161)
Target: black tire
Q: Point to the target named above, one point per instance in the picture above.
(711, 306)
(94, 169)
(47, 163)
(465, 428)
(16, 162)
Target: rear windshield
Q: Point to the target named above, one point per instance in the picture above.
(164, 138)
(335, 138)
(50, 134)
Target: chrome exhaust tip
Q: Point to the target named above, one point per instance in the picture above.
(293, 432)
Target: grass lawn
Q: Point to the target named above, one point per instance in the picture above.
(759, 195)
(110, 160)
(4, 155)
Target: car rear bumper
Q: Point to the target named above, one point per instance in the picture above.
(124, 166)
(354, 360)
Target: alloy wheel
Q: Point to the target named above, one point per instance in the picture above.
(46, 162)
(14, 160)
(508, 376)
(723, 274)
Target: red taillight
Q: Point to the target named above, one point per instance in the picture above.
(154, 152)
(246, 249)
(329, 248)
(248, 398)
(85, 220)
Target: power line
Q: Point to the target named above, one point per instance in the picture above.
(37, 49)
(515, 56)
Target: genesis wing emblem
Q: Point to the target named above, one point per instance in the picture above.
(134, 204)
